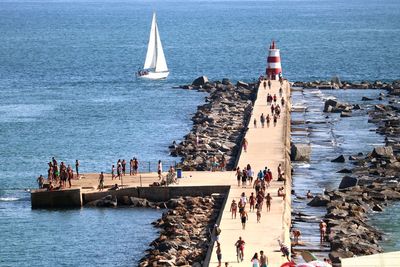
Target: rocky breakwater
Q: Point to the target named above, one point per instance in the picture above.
(372, 184)
(336, 83)
(184, 235)
(218, 126)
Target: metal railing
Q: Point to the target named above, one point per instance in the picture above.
(151, 166)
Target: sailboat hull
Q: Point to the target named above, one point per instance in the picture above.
(155, 75)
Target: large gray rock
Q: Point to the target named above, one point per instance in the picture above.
(202, 80)
(339, 159)
(107, 201)
(347, 182)
(300, 152)
(382, 152)
(330, 103)
(242, 84)
(319, 201)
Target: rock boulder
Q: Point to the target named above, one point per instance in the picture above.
(300, 152)
(202, 80)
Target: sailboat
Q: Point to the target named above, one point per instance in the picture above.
(155, 65)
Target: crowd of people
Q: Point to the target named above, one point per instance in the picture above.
(245, 205)
(251, 205)
(59, 176)
(121, 168)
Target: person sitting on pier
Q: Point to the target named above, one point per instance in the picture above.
(296, 236)
(280, 173)
(114, 187)
(281, 193)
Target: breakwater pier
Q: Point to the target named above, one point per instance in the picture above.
(267, 146)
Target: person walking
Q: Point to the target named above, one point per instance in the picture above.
(101, 181)
(238, 175)
(254, 261)
(268, 199)
(262, 120)
(112, 172)
(243, 218)
(240, 248)
(252, 200)
(233, 209)
(263, 259)
(219, 254)
(159, 170)
(245, 144)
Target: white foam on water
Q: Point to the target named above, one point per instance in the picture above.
(9, 198)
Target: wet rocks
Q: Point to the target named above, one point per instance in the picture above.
(348, 181)
(339, 159)
(369, 189)
(200, 81)
(334, 106)
(108, 201)
(319, 201)
(335, 83)
(184, 236)
(218, 126)
(300, 152)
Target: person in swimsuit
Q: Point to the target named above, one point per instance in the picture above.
(268, 199)
(101, 181)
(252, 200)
(219, 254)
(233, 210)
(238, 175)
(112, 172)
(243, 218)
(322, 230)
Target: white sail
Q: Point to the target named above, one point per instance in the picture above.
(155, 65)
(161, 63)
(151, 56)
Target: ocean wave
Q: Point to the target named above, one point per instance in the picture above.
(9, 199)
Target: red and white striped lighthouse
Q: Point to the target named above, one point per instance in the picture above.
(274, 68)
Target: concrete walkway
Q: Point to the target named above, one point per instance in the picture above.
(266, 147)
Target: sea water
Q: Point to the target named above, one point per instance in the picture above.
(68, 90)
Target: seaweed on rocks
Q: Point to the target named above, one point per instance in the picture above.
(219, 125)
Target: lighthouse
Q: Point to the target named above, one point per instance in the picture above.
(274, 68)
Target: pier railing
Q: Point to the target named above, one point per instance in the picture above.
(152, 166)
(286, 216)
